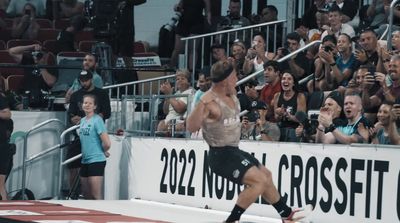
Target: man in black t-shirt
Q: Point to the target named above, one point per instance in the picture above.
(66, 38)
(6, 154)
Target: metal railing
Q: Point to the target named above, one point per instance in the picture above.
(60, 170)
(25, 151)
(250, 76)
(245, 32)
(391, 14)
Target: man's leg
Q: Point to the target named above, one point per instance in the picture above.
(255, 181)
(3, 191)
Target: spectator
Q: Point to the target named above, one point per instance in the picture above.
(218, 52)
(309, 35)
(16, 7)
(394, 136)
(35, 80)
(75, 113)
(367, 53)
(247, 96)
(345, 62)
(65, 8)
(262, 129)
(66, 38)
(6, 126)
(354, 131)
(376, 13)
(270, 14)
(95, 145)
(176, 107)
(309, 16)
(233, 20)
(90, 64)
(286, 104)
(336, 26)
(299, 64)
(348, 9)
(272, 74)
(380, 132)
(326, 68)
(190, 23)
(238, 50)
(256, 57)
(204, 83)
(26, 26)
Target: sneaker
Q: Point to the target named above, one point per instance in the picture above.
(299, 213)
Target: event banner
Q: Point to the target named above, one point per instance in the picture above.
(343, 183)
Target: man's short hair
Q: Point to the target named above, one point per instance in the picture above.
(368, 29)
(272, 63)
(331, 38)
(221, 70)
(293, 36)
(92, 55)
(335, 8)
(235, 1)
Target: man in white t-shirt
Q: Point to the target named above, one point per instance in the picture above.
(336, 27)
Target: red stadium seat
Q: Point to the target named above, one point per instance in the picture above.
(61, 24)
(51, 59)
(21, 42)
(5, 58)
(47, 34)
(86, 45)
(5, 34)
(14, 82)
(44, 23)
(84, 35)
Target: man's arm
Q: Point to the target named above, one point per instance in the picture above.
(199, 113)
(296, 69)
(345, 139)
(17, 52)
(105, 105)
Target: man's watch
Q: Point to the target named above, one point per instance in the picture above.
(330, 128)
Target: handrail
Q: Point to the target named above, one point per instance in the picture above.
(244, 80)
(25, 151)
(385, 32)
(389, 37)
(139, 82)
(233, 30)
(60, 172)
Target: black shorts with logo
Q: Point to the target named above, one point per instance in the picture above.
(93, 169)
(231, 162)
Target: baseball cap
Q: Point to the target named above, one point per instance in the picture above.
(85, 75)
(259, 105)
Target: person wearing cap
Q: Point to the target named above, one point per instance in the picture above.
(89, 63)
(353, 130)
(75, 113)
(217, 114)
(218, 52)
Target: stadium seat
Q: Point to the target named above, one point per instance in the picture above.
(44, 23)
(61, 24)
(67, 76)
(5, 34)
(50, 46)
(20, 42)
(5, 58)
(84, 35)
(2, 45)
(14, 82)
(51, 59)
(86, 45)
(47, 34)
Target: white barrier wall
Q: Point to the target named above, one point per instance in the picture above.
(348, 184)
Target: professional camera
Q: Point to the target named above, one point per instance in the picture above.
(37, 55)
(174, 20)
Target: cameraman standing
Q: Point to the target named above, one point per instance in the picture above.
(6, 154)
(35, 79)
(26, 27)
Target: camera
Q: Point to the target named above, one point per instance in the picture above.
(174, 20)
(37, 55)
(285, 51)
(328, 49)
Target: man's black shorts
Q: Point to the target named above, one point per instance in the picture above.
(231, 162)
(6, 159)
(93, 169)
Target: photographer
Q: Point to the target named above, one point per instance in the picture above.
(35, 80)
(26, 27)
(6, 153)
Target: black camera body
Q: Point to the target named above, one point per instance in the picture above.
(328, 49)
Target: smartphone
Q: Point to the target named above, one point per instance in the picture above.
(371, 71)
(357, 46)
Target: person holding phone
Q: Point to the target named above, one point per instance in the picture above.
(366, 52)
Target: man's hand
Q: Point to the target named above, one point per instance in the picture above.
(361, 56)
(381, 78)
(368, 81)
(166, 88)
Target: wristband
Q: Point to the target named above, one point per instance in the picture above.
(331, 128)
